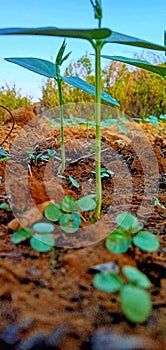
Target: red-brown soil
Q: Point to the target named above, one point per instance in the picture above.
(59, 308)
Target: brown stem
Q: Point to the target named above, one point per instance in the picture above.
(13, 123)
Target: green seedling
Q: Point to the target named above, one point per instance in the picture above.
(68, 212)
(104, 173)
(3, 155)
(39, 236)
(158, 203)
(130, 232)
(40, 156)
(98, 38)
(135, 300)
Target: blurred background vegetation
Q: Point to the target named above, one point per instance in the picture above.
(140, 93)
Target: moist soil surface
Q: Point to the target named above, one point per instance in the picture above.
(52, 304)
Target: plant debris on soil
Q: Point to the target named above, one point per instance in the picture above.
(58, 307)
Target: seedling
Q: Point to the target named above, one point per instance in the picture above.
(158, 203)
(135, 300)
(3, 155)
(38, 156)
(67, 213)
(104, 173)
(98, 38)
(39, 236)
(130, 232)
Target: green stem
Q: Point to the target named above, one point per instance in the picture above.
(98, 128)
(59, 82)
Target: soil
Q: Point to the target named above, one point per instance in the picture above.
(54, 305)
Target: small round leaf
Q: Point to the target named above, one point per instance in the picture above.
(118, 242)
(136, 277)
(108, 282)
(52, 212)
(69, 204)
(86, 203)
(42, 243)
(70, 223)
(135, 303)
(146, 241)
(128, 222)
(43, 227)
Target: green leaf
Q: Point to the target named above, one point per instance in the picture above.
(21, 235)
(128, 222)
(70, 223)
(108, 282)
(3, 152)
(138, 63)
(119, 38)
(74, 182)
(83, 85)
(52, 212)
(146, 241)
(118, 242)
(135, 303)
(69, 204)
(60, 53)
(88, 34)
(87, 203)
(157, 202)
(36, 65)
(51, 152)
(42, 243)
(5, 206)
(43, 227)
(136, 277)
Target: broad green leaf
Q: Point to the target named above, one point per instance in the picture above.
(21, 235)
(87, 203)
(36, 65)
(70, 223)
(108, 282)
(43, 227)
(74, 182)
(88, 34)
(42, 243)
(128, 222)
(146, 241)
(118, 242)
(52, 212)
(138, 63)
(119, 38)
(136, 277)
(83, 85)
(69, 204)
(135, 303)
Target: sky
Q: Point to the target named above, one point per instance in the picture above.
(144, 19)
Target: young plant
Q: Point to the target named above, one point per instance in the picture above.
(98, 38)
(67, 213)
(39, 236)
(135, 300)
(130, 231)
(158, 203)
(104, 173)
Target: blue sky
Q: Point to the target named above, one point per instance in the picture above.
(141, 18)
